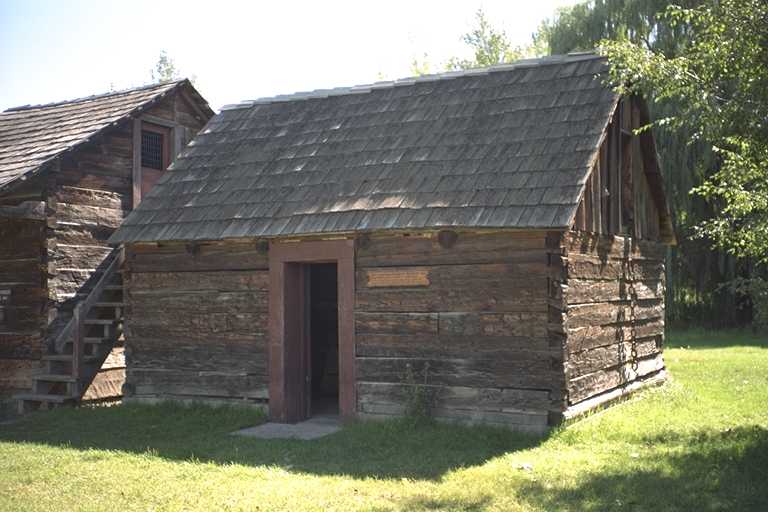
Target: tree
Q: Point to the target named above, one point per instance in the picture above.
(165, 69)
(719, 84)
(696, 270)
(490, 46)
(584, 25)
(421, 66)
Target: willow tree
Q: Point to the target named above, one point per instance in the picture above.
(718, 84)
(697, 270)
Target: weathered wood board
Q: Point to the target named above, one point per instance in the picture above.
(613, 293)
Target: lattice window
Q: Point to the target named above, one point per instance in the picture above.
(152, 150)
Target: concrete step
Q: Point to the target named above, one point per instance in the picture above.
(109, 305)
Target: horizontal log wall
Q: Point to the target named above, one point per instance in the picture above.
(22, 301)
(196, 322)
(91, 193)
(613, 303)
(474, 317)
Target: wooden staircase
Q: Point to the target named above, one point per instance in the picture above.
(80, 349)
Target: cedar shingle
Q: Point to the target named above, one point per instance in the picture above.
(507, 146)
(32, 136)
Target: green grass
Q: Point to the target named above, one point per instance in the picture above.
(698, 443)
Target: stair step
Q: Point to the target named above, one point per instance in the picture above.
(109, 305)
(65, 357)
(113, 287)
(54, 377)
(94, 340)
(99, 321)
(33, 397)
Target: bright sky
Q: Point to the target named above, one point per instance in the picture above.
(53, 50)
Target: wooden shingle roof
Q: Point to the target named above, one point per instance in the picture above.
(509, 146)
(32, 136)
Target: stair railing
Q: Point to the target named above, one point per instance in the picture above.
(74, 327)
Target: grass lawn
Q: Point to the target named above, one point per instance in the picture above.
(698, 443)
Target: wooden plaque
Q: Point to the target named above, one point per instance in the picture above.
(386, 277)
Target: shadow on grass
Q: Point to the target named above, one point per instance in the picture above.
(391, 449)
(706, 471)
(704, 339)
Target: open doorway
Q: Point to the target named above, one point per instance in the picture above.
(311, 329)
(324, 338)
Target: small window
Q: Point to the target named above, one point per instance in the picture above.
(152, 150)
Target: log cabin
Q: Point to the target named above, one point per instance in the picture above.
(495, 238)
(69, 173)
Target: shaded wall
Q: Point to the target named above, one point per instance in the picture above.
(470, 319)
(503, 328)
(23, 290)
(196, 322)
(22, 299)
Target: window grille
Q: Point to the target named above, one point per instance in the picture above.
(152, 150)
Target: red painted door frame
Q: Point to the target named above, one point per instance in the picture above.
(287, 357)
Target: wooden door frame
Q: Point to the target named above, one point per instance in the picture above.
(171, 132)
(341, 252)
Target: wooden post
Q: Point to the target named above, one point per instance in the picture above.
(178, 141)
(77, 342)
(136, 173)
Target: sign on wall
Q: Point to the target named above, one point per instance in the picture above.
(395, 277)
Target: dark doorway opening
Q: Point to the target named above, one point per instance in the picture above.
(311, 295)
(323, 317)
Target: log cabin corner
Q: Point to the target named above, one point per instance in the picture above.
(497, 233)
(69, 173)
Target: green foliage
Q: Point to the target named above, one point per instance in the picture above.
(489, 45)
(741, 187)
(756, 289)
(718, 83)
(698, 443)
(580, 27)
(165, 69)
(421, 66)
(695, 268)
(419, 395)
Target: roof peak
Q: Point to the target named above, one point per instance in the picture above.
(446, 75)
(22, 108)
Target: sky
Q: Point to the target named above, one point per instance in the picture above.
(52, 50)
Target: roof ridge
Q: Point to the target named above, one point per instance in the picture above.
(23, 108)
(446, 75)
